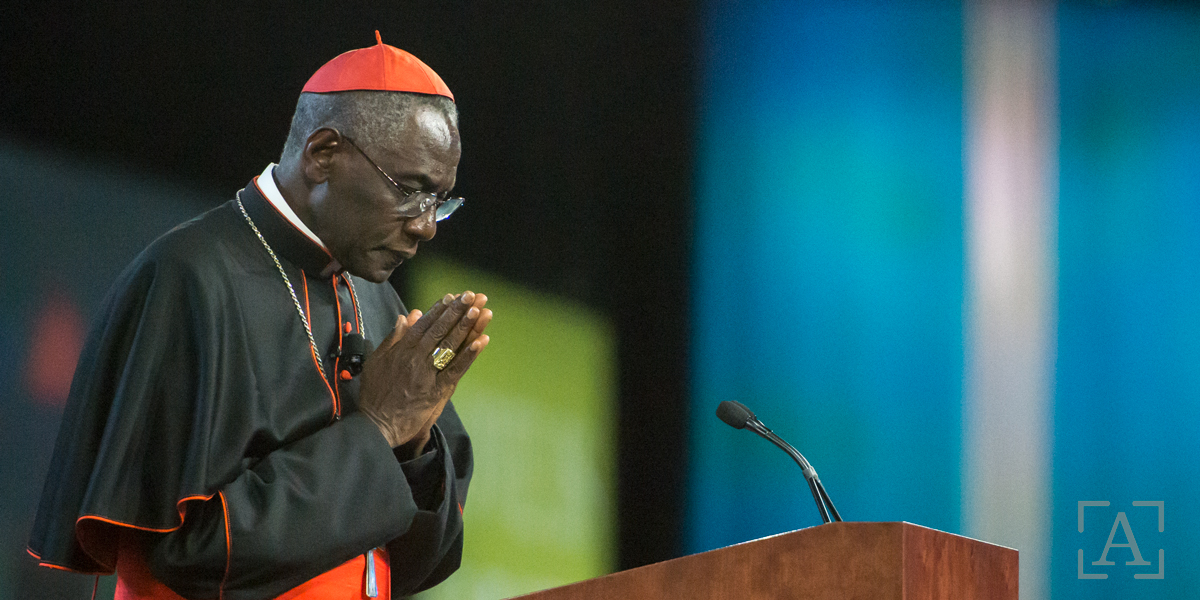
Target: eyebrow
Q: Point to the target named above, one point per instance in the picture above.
(425, 181)
(426, 184)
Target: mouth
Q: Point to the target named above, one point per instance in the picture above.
(395, 257)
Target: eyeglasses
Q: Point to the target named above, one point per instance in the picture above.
(415, 202)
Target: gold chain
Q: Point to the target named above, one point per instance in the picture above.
(357, 306)
(291, 290)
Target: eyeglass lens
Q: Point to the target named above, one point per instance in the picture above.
(417, 202)
(447, 208)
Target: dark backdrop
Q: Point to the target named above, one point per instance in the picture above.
(576, 120)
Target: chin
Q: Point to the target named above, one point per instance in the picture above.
(375, 275)
(375, 267)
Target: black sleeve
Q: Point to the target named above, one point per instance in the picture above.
(431, 549)
(424, 474)
(306, 508)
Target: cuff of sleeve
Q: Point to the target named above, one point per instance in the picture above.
(425, 473)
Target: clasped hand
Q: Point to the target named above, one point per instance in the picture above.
(402, 392)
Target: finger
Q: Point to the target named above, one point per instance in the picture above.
(446, 322)
(457, 339)
(454, 371)
(396, 334)
(485, 317)
(428, 319)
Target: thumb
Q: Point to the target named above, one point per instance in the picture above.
(398, 331)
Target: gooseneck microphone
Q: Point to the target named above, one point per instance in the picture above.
(736, 415)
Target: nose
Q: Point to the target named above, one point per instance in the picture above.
(423, 227)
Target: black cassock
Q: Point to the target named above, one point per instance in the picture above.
(198, 418)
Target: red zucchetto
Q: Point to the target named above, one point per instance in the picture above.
(379, 67)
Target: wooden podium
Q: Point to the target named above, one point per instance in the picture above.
(843, 561)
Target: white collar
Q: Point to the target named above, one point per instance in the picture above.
(266, 185)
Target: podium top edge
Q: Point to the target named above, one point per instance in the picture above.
(901, 523)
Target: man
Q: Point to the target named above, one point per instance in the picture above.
(219, 440)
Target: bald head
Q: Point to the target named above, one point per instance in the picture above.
(369, 117)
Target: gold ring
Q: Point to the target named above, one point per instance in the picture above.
(442, 357)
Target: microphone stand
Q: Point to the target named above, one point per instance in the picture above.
(824, 504)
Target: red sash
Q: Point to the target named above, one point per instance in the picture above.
(344, 582)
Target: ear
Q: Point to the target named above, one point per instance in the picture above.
(316, 160)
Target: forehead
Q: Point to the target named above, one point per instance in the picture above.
(423, 145)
